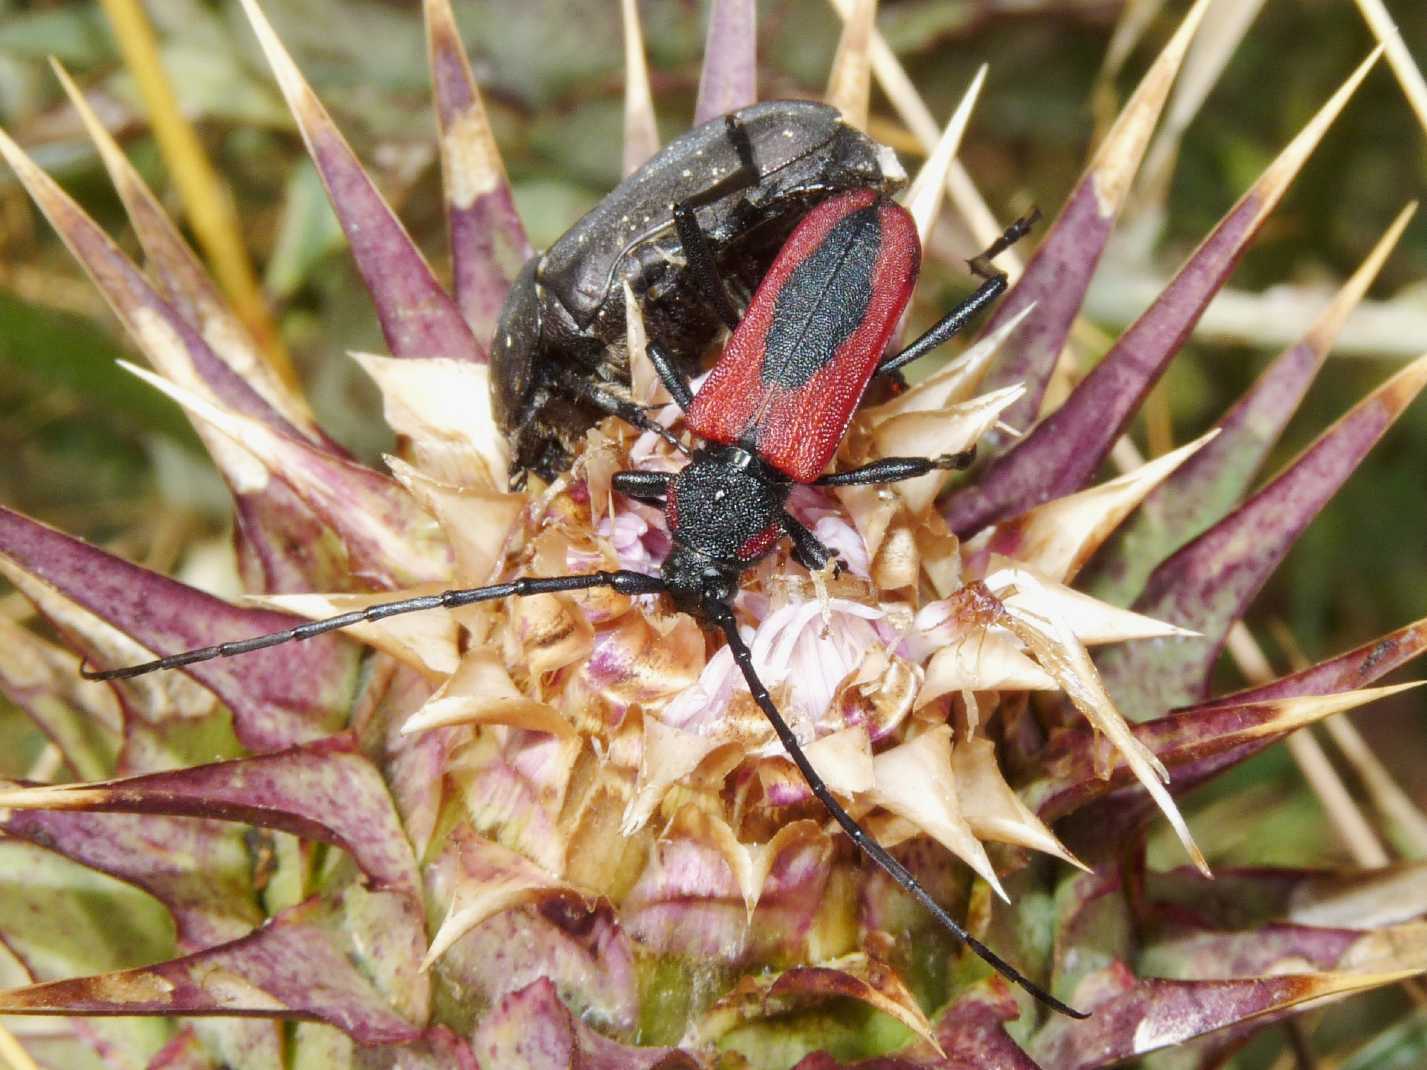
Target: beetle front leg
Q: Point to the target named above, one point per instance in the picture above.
(648, 487)
(896, 469)
(808, 549)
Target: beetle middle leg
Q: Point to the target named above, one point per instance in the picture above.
(955, 321)
(808, 549)
(895, 469)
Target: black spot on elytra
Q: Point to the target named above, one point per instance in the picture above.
(823, 301)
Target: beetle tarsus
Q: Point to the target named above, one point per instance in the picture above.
(956, 462)
(981, 263)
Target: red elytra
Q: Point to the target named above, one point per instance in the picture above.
(796, 368)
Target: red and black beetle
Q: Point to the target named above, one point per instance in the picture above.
(773, 412)
(794, 371)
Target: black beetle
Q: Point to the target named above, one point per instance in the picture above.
(731, 189)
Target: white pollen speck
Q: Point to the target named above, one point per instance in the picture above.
(788, 134)
(719, 495)
(686, 172)
(509, 341)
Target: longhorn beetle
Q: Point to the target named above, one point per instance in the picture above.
(772, 414)
(721, 199)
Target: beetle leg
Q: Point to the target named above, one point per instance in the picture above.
(744, 177)
(623, 581)
(808, 549)
(743, 657)
(698, 254)
(955, 321)
(628, 411)
(701, 267)
(670, 375)
(950, 325)
(981, 265)
(895, 469)
(643, 486)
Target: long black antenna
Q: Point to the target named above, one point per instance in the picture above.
(723, 617)
(623, 581)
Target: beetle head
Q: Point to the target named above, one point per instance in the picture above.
(694, 579)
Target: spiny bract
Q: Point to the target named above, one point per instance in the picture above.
(557, 832)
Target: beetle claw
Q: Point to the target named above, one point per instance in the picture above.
(980, 264)
(955, 462)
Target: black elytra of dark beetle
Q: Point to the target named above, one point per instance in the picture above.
(729, 191)
(767, 428)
